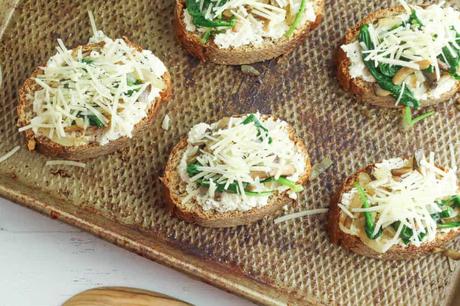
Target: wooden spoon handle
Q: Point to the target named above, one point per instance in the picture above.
(122, 296)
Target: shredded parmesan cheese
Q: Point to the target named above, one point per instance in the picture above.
(65, 163)
(165, 125)
(9, 154)
(301, 214)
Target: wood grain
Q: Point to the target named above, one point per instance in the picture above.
(122, 296)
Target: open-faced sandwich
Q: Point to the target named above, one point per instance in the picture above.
(397, 209)
(235, 32)
(89, 100)
(407, 56)
(235, 171)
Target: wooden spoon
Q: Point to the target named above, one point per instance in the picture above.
(122, 296)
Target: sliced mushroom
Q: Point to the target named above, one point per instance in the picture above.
(401, 75)
(287, 170)
(364, 178)
(424, 64)
(400, 171)
(379, 91)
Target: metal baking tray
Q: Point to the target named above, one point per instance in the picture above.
(119, 198)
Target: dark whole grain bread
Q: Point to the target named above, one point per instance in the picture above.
(245, 54)
(362, 89)
(191, 211)
(354, 243)
(50, 148)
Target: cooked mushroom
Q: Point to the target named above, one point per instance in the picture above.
(401, 75)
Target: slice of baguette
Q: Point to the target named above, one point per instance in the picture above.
(362, 89)
(50, 148)
(354, 243)
(174, 189)
(245, 54)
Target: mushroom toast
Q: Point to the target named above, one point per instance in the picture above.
(235, 32)
(235, 171)
(405, 56)
(89, 100)
(397, 209)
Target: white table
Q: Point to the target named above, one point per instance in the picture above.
(43, 262)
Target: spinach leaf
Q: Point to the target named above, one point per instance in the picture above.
(405, 95)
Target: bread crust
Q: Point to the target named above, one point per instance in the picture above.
(362, 89)
(245, 54)
(47, 147)
(194, 213)
(354, 243)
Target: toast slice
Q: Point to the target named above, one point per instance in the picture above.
(92, 149)
(245, 54)
(192, 211)
(365, 90)
(355, 243)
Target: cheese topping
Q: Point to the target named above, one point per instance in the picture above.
(256, 20)
(399, 43)
(96, 93)
(239, 163)
(409, 204)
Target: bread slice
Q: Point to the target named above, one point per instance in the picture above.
(362, 89)
(174, 189)
(354, 244)
(244, 54)
(50, 148)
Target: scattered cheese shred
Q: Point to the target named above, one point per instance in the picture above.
(166, 124)
(9, 154)
(301, 214)
(65, 163)
(1, 76)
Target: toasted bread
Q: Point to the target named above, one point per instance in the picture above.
(174, 189)
(354, 244)
(364, 90)
(246, 54)
(50, 148)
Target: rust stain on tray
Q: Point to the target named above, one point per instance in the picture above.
(119, 198)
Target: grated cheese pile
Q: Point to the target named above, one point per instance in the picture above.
(408, 46)
(95, 94)
(257, 20)
(230, 152)
(409, 199)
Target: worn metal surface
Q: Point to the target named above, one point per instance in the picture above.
(118, 197)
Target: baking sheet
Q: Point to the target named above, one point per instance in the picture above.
(118, 197)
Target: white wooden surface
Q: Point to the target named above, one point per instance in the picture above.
(43, 262)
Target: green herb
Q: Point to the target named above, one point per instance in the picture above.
(198, 19)
(234, 188)
(406, 233)
(453, 60)
(253, 119)
(447, 213)
(403, 94)
(455, 201)
(132, 83)
(449, 225)
(285, 182)
(95, 121)
(369, 225)
(297, 20)
(192, 169)
(409, 122)
(206, 36)
(414, 20)
(87, 60)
